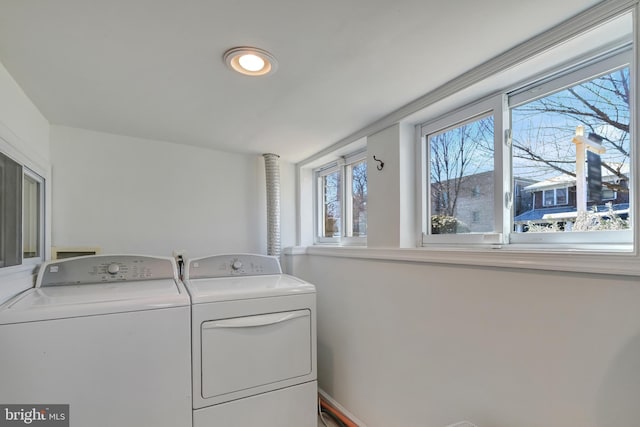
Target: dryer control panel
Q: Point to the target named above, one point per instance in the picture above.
(230, 265)
(104, 269)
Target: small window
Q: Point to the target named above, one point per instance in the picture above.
(357, 174)
(549, 197)
(555, 197)
(461, 181)
(10, 212)
(608, 194)
(342, 200)
(460, 158)
(32, 215)
(561, 196)
(575, 130)
(331, 204)
(543, 163)
(21, 214)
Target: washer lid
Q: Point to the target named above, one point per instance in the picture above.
(246, 287)
(57, 302)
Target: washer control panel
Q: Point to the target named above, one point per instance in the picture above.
(230, 265)
(105, 268)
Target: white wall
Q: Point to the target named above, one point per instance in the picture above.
(132, 195)
(24, 135)
(415, 344)
(21, 123)
(391, 191)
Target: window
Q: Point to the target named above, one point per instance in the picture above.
(575, 129)
(32, 215)
(461, 159)
(357, 198)
(331, 203)
(555, 197)
(342, 200)
(547, 161)
(10, 219)
(21, 213)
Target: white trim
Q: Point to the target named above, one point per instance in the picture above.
(489, 107)
(565, 31)
(575, 75)
(319, 175)
(464, 115)
(16, 279)
(577, 239)
(10, 144)
(339, 407)
(41, 217)
(616, 260)
(29, 159)
(347, 233)
(341, 165)
(634, 181)
(294, 250)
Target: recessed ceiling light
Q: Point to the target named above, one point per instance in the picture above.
(250, 61)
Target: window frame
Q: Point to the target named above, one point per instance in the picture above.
(544, 54)
(343, 166)
(579, 70)
(555, 197)
(493, 105)
(26, 171)
(42, 174)
(319, 175)
(11, 241)
(599, 64)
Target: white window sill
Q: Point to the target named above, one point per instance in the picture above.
(611, 260)
(345, 241)
(16, 279)
(28, 268)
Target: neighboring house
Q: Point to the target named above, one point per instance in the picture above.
(468, 199)
(522, 199)
(474, 204)
(554, 200)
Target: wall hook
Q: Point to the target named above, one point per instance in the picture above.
(381, 165)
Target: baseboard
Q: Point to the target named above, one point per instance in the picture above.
(331, 401)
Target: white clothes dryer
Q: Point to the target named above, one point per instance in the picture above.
(254, 343)
(107, 334)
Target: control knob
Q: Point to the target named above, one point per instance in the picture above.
(113, 268)
(236, 265)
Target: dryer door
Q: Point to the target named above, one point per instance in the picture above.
(252, 351)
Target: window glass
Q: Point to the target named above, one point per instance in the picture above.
(331, 204)
(358, 195)
(31, 215)
(10, 212)
(461, 178)
(548, 198)
(342, 192)
(578, 137)
(561, 196)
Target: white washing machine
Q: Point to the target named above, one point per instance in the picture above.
(107, 334)
(254, 343)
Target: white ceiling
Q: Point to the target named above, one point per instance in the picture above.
(154, 68)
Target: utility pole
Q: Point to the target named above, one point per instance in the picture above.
(583, 144)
